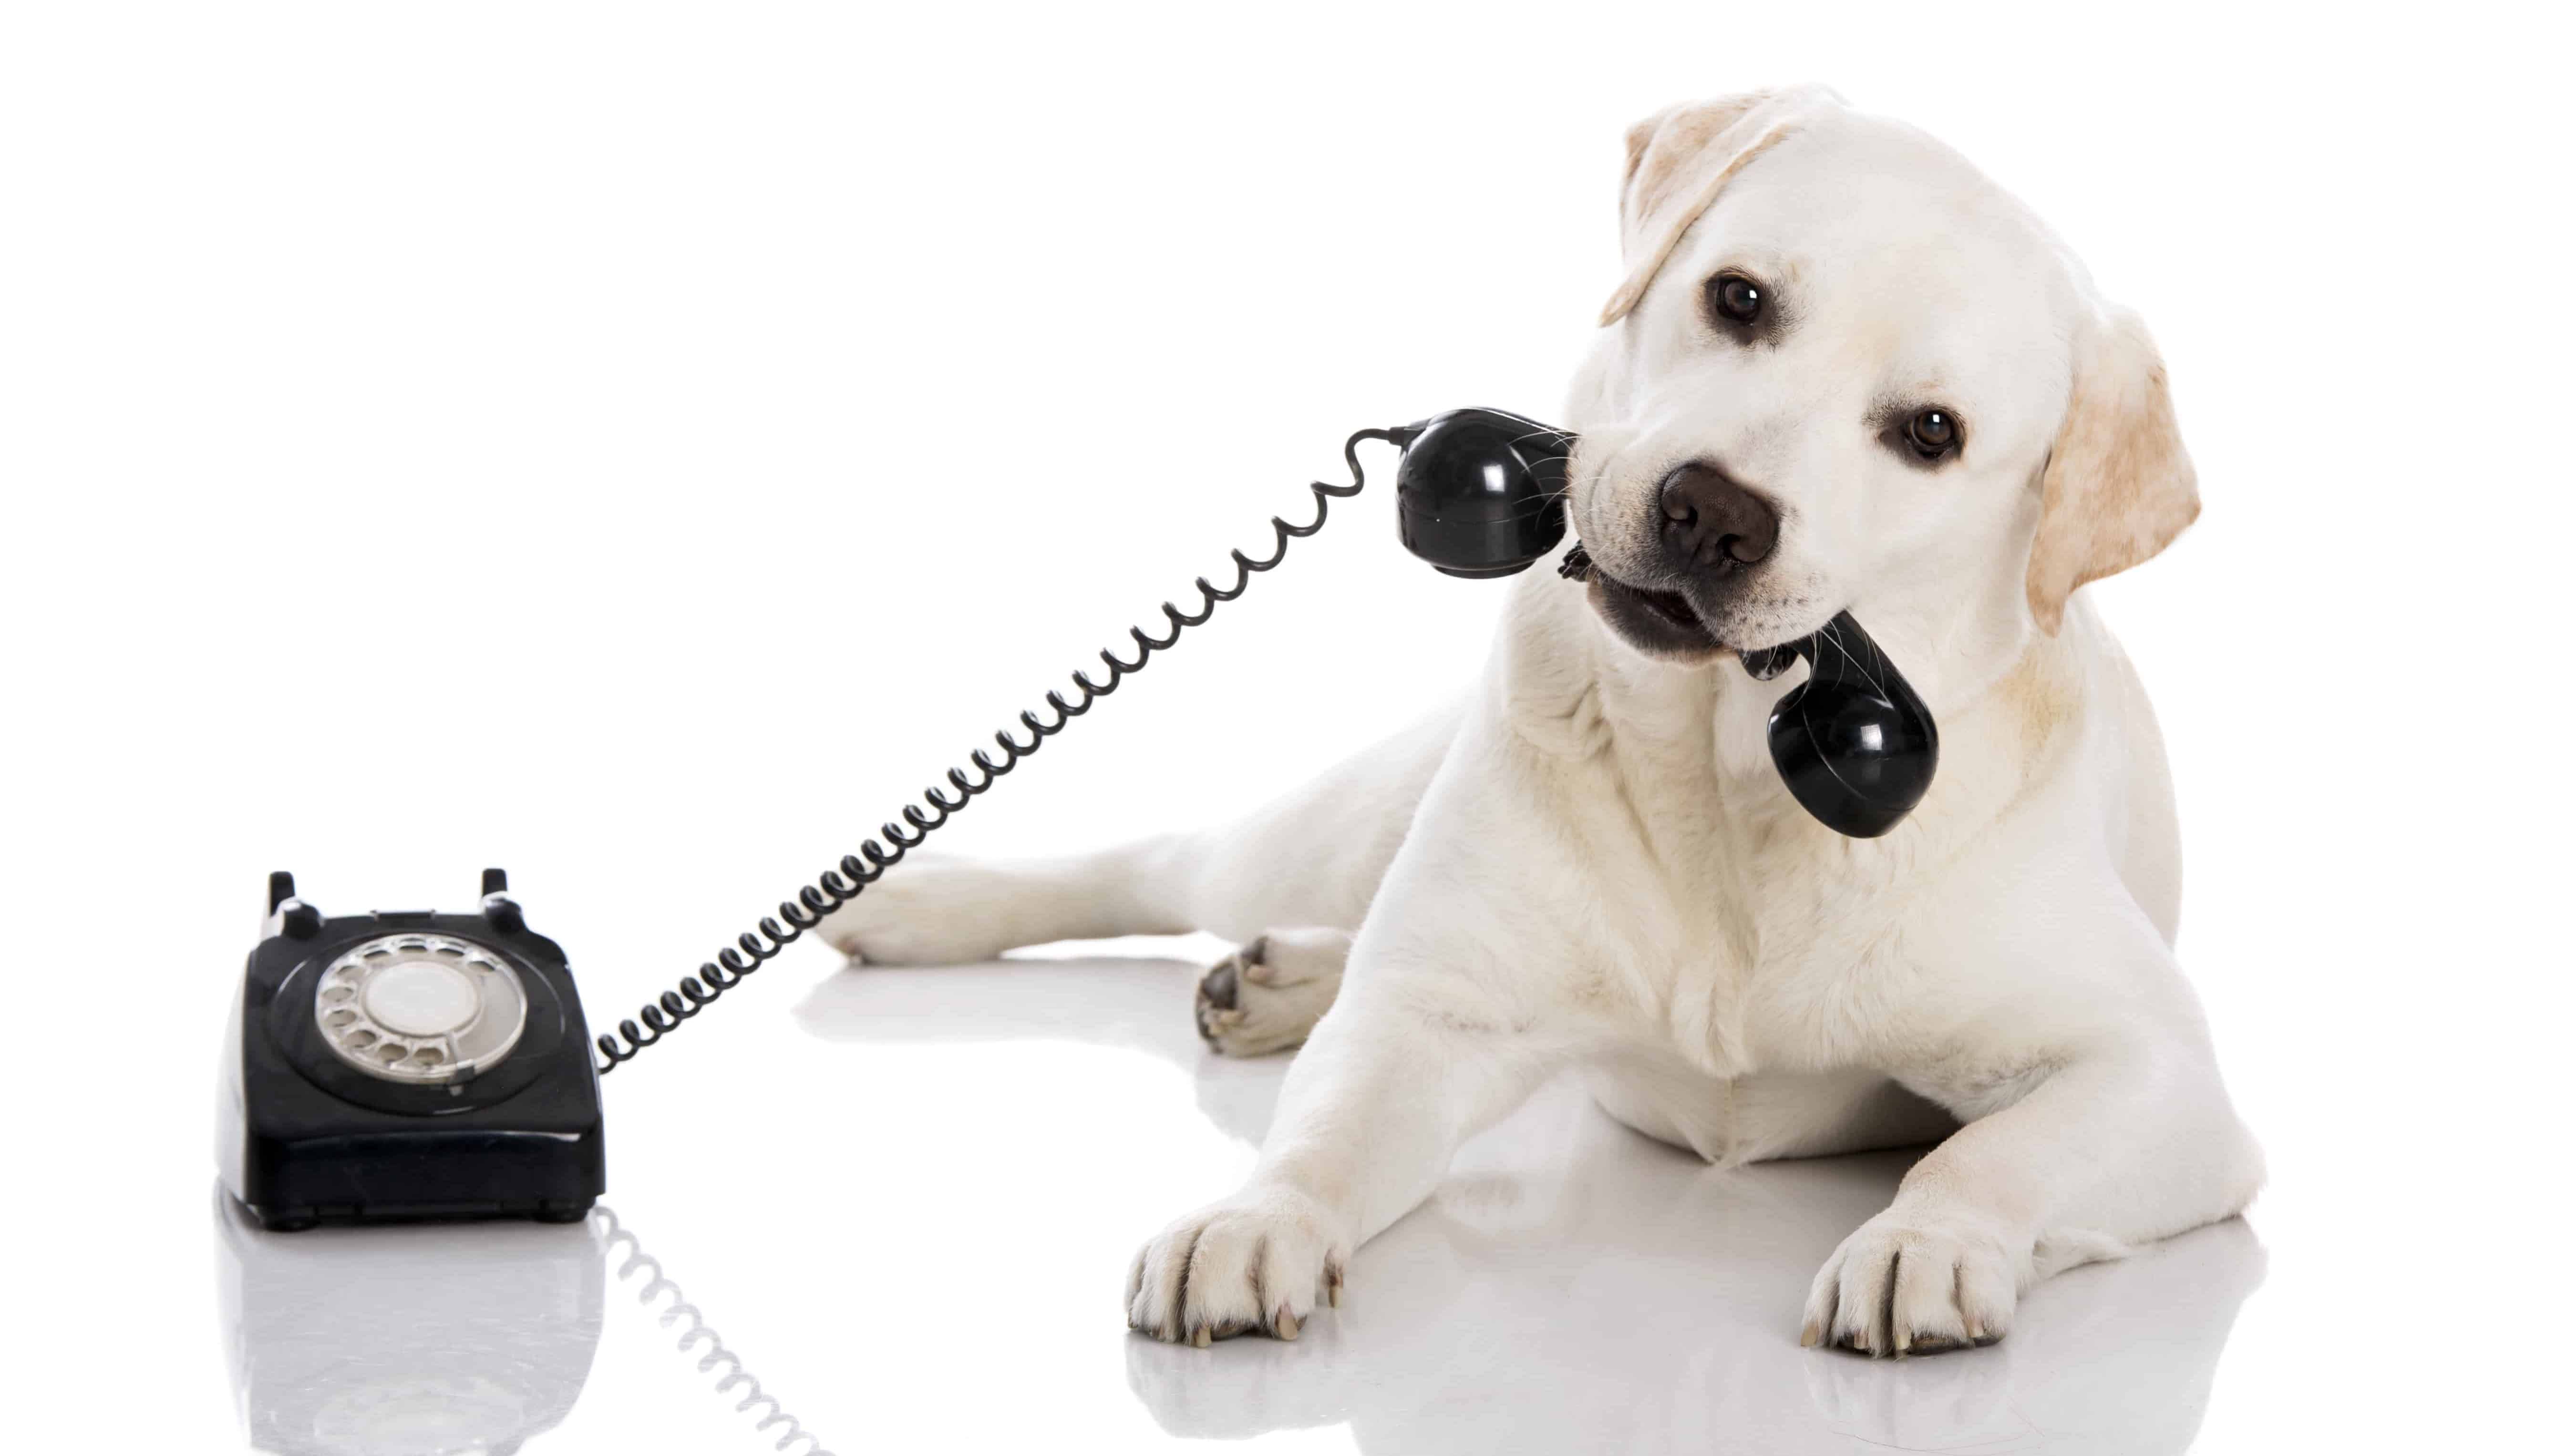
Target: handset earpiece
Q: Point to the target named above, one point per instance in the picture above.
(1855, 744)
(1481, 493)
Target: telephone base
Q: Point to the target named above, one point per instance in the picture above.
(296, 1220)
(402, 1066)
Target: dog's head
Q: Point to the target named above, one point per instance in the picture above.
(1847, 368)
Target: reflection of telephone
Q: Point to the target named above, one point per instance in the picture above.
(420, 1065)
(341, 1344)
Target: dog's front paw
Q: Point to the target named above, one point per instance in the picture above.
(1902, 1284)
(1252, 1263)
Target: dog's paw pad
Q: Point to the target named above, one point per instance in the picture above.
(1267, 995)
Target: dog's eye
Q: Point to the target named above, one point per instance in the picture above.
(1933, 432)
(1736, 297)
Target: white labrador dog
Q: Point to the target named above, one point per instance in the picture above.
(1845, 371)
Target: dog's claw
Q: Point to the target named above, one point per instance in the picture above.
(1286, 1326)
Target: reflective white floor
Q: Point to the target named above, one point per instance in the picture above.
(895, 1216)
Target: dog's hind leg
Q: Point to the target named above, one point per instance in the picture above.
(946, 910)
(1310, 859)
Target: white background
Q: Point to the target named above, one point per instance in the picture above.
(641, 445)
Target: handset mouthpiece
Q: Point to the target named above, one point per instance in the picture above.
(1855, 744)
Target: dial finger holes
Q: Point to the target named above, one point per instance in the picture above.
(426, 1010)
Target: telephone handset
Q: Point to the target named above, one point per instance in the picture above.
(1481, 493)
(407, 1066)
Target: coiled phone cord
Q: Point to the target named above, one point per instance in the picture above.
(852, 873)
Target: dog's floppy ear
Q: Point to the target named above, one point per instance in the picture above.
(1678, 162)
(2119, 485)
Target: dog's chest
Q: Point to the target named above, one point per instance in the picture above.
(1780, 956)
(1752, 938)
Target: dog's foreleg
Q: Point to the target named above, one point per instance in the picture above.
(2126, 1135)
(1447, 1018)
(1370, 1116)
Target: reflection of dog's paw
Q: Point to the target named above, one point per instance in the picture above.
(1903, 1286)
(1254, 1264)
(928, 912)
(1267, 995)
(1930, 1405)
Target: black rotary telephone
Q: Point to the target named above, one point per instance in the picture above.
(412, 1066)
(406, 1064)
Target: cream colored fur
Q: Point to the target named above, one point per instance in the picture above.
(1589, 867)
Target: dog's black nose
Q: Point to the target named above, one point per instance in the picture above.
(1708, 520)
